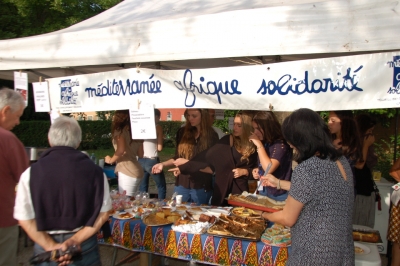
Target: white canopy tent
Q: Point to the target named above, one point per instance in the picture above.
(172, 34)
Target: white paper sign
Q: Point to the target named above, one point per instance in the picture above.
(143, 125)
(21, 84)
(54, 115)
(219, 114)
(41, 96)
(230, 123)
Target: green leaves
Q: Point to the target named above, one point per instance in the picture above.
(21, 18)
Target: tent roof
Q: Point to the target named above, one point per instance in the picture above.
(172, 34)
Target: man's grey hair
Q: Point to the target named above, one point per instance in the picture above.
(11, 98)
(65, 131)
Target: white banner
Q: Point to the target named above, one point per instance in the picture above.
(339, 83)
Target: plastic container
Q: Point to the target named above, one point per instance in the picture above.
(93, 158)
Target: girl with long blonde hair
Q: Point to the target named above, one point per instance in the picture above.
(231, 160)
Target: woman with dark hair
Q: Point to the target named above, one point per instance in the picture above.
(271, 148)
(364, 205)
(129, 170)
(196, 136)
(345, 135)
(231, 160)
(320, 202)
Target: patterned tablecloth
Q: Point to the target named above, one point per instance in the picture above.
(204, 248)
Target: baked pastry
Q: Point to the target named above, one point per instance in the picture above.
(212, 219)
(126, 215)
(365, 237)
(173, 218)
(160, 215)
(167, 211)
(204, 218)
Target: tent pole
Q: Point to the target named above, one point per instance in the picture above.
(389, 244)
(395, 135)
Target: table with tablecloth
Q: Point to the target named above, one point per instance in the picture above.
(134, 235)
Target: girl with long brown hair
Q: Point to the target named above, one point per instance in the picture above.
(196, 136)
(130, 172)
(271, 148)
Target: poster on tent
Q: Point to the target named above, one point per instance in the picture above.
(337, 83)
(41, 96)
(143, 125)
(21, 85)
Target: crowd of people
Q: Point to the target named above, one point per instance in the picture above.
(63, 199)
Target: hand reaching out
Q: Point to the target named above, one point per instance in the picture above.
(269, 181)
(238, 172)
(256, 175)
(180, 161)
(175, 171)
(157, 168)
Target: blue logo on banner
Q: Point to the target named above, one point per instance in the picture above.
(67, 95)
(396, 75)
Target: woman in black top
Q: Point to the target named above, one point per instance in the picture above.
(231, 159)
(197, 135)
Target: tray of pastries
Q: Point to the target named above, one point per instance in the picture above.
(262, 203)
(187, 224)
(238, 227)
(163, 217)
(246, 212)
(277, 235)
(366, 234)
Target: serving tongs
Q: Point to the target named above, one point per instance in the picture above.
(253, 197)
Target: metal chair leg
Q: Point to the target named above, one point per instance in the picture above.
(114, 256)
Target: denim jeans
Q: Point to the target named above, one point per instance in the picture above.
(90, 251)
(282, 197)
(147, 164)
(199, 196)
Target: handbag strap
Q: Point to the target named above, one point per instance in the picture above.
(375, 186)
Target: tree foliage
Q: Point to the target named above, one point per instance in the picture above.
(22, 18)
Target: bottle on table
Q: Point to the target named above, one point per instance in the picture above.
(93, 158)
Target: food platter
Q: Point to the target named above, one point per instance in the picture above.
(217, 212)
(262, 203)
(277, 235)
(246, 212)
(237, 227)
(155, 219)
(366, 234)
(123, 215)
(147, 221)
(361, 249)
(187, 225)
